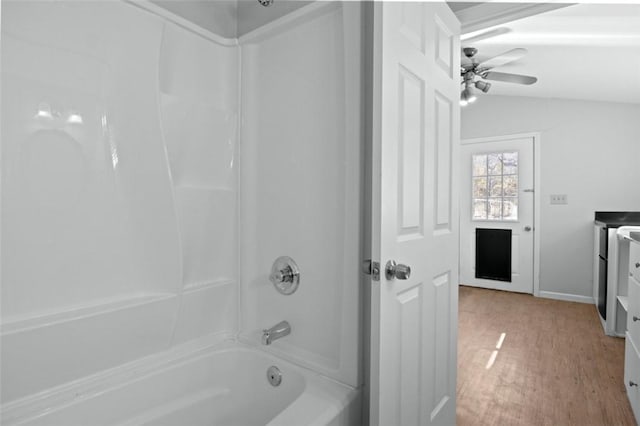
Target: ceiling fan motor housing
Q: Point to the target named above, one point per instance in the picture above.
(469, 52)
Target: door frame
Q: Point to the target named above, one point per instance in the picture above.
(536, 196)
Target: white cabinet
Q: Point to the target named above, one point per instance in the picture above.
(632, 376)
(632, 355)
(633, 312)
(634, 261)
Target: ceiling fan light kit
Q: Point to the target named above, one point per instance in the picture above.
(483, 86)
(467, 96)
(474, 72)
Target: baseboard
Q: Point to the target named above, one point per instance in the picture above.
(566, 297)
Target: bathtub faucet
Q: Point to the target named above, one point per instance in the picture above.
(279, 330)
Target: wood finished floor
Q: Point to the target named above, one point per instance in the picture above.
(554, 367)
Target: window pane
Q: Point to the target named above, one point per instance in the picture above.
(510, 209)
(479, 187)
(510, 185)
(495, 164)
(479, 209)
(495, 186)
(510, 163)
(479, 165)
(495, 209)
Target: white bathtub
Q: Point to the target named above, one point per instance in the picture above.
(221, 385)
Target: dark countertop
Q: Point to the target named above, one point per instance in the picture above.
(617, 219)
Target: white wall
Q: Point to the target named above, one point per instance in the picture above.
(219, 17)
(230, 18)
(118, 232)
(301, 168)
(198, 91)
(589, 151)
(252, 15)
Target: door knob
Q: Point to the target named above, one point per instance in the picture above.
(393, 270)
(635, 318)
(632, 384)
(527, 228)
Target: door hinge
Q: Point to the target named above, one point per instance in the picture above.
(371, 268)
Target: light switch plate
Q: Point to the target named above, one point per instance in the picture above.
(558, 198)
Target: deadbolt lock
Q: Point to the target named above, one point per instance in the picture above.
(371, 268)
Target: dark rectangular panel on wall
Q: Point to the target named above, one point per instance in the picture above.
(493, 254)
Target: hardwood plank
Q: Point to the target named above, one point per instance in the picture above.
(554, 366)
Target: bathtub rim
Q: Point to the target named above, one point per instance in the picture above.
(50, 400)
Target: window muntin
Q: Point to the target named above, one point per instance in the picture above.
(494, 186)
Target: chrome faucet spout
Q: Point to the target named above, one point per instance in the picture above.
(279, 330)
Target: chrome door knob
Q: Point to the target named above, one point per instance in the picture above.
(527, 228)
(393, 270)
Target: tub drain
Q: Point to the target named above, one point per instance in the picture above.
(274, 375)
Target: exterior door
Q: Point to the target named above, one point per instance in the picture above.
(415, 216)
(496, 192)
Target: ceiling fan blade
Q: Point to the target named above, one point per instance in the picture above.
(504, 58)
(509, 78)
(465, 41)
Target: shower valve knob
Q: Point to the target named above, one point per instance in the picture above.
(282, 276)
(285, 275)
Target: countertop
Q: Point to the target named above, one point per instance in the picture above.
(617, 219)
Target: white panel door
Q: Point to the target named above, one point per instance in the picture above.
(496, 190)
(415, 214)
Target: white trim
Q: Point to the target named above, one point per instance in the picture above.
(566, 297)
(240, 292)
(147, 6)
(486, 15)
(291, 19)
(536, 194)
(537, 202)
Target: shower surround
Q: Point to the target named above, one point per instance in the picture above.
(152, 170)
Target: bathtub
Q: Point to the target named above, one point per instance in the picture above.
(225, 384)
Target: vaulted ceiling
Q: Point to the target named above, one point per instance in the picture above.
(581, 51)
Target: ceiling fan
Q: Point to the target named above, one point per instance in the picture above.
(474, 70)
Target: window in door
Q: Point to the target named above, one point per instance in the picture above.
(495, 186)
